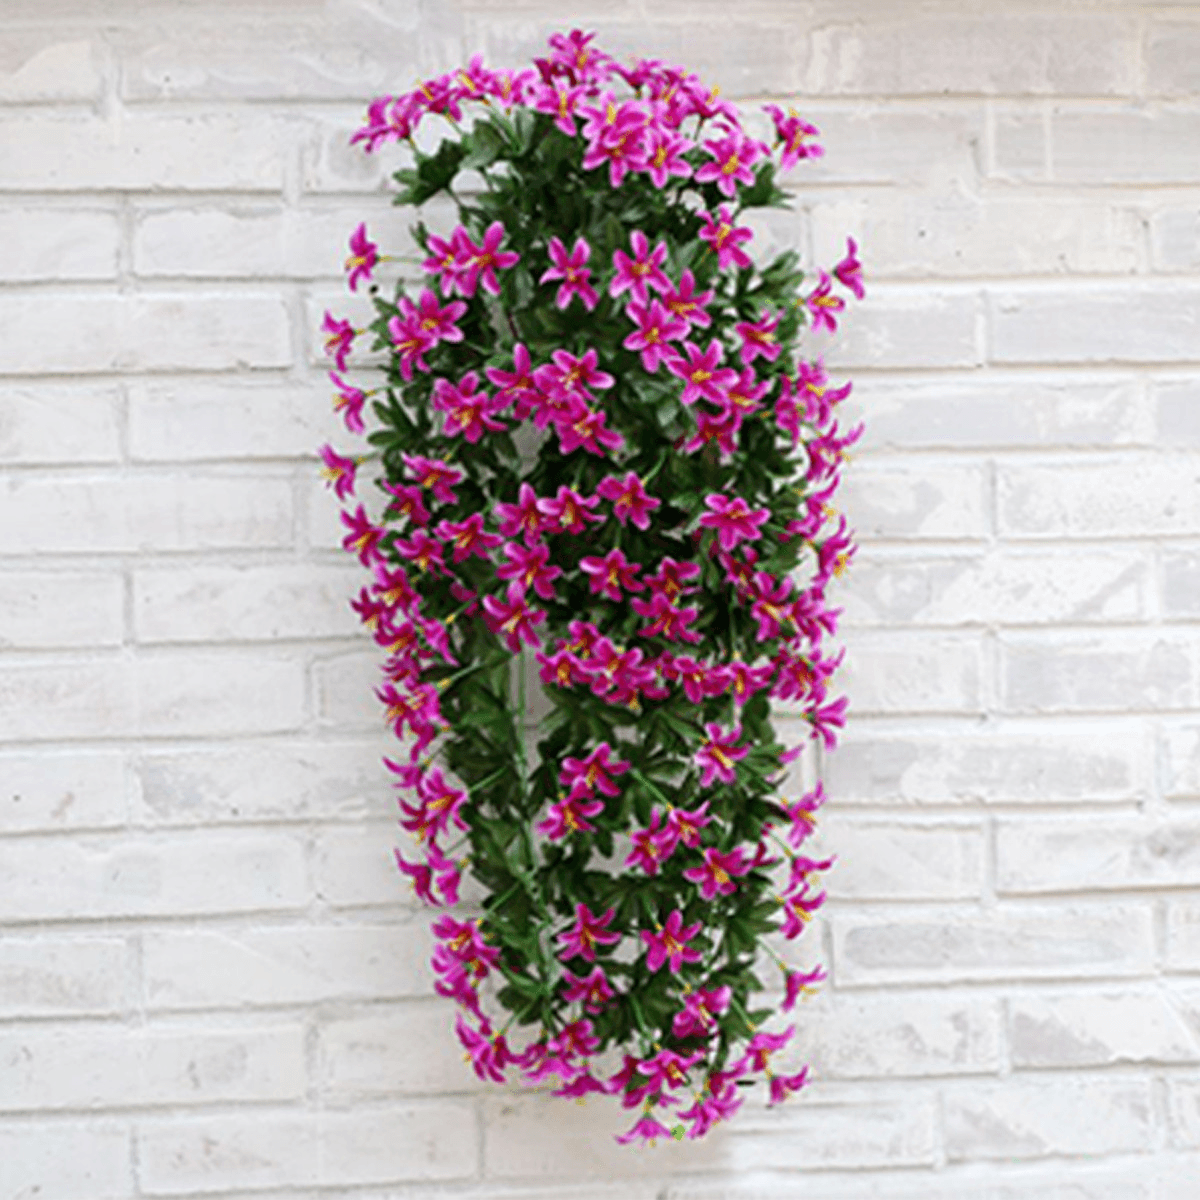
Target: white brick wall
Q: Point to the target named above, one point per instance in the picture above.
(212, 984)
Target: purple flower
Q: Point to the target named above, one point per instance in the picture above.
(669, 944)
(656, 326)
(570, 269)
(725, 238)
(718, 753)
(643, 271)
(364, 254)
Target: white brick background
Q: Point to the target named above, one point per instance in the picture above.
(211, 982)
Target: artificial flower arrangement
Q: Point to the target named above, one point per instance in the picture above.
(605, 462)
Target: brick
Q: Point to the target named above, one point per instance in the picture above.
(250, 241)
(1064, 856)
(252, 603)
(69, 1161)
(1020, 145)
(1181, 761)
(66, 700)
(1142, 147)
(44, 65)
(63, 791)
(193, 419)
(1018, 1120)
(959, 235)
(345, 690)
(947, 54)
(249, 781)
(887, 861)
(356, 866)
(283, 965)
(916, 500)
(433, 1141)
(144, 512)
(1135, 323)
(145, 151)
(1184, 1103)
(899, 1036)
(1001, 587)
(65, 975)
(1125, 672)
(82, 1067)
(1177, 405)
(904, 329)
(1175, 238)
(911, 673)
(353, 307)
(1013, 765)
(1172, 50)
(122, 876)
(408, 1049)
(1183, 935)
(42, 610)
(1085, 1029)
(1181, 584)
(324, 529)
(57, 244)
(59, 424)
(1117, 497)
(144, 333)
(873, 143)
(1007, 944)
(307, 57)
(995, 414)
(331, 166)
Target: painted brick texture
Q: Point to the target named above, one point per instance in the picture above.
(213, 984)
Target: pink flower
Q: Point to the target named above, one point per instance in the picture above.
(629, 498)
(447, 258)
(641, 272)
(671, 577)
(667, 1071)
(701, 374)
(783, 1085)
(468, 412)
(734, 520)
(570, 269)
(700, 680)
(621, 141)
(823, 305)
(655, 328)
(762, 1046)
(647, 1129)
(525, 517)
(573, 375)
(747, 680)
(410, 342)
(799, 983)
(364, 536)
(433, 473)
(561, 668)
(725, 238)
(825, 718)
(423, 550)
(516, 386)
(686, 824)
(586, 776)
(468, 537)
(652, 846)
(560, 101)
(594, 989)
(683, 301)
(589, 931)
(487, 1051)
(717, 874)
(349, 402)
(364, 254)
(733, 156)
(668, 944)
(849, 271)
(338, 472)
(700, 1010)
(435, 322)
(607, 576)
(440, 803)
(718, 753)
(721, 1102)
(408, 502)
(800, 814)
(527, 566)
(758, 338)
(589, 430)
(666, 619)
(664, 156)
(513, 617)
(570, 816)
(792, 133)
(479, 263)
(341, 335)
(569, 512)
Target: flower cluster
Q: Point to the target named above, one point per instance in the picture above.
(606, 468)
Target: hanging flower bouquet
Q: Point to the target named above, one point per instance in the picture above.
(605, 463)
